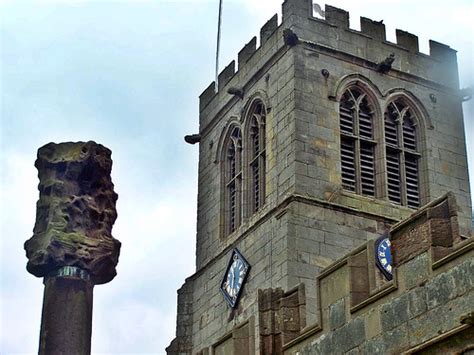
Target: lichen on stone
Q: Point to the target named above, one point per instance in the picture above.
(75, 211)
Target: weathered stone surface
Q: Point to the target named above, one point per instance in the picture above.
(418, 271)
(308, 220)
(395, 313)
(349, 336)
(75, 212)
(280, 317)
(339, 341)
(396, 339)
(374, 346)
(337, 314)
(354, 351)
(323, 345)
(372, 324)
(440, 290)
(417, 302)
(463, 277)
(66, 324)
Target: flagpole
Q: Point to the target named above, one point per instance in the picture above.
(218, 45)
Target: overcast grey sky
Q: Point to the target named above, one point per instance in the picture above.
(127, 74)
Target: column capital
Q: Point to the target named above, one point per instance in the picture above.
(74, 214)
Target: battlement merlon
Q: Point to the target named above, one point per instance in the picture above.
(370, 44)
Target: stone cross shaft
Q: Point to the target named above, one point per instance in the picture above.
(72, 246)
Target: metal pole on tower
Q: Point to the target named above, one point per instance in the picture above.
(218, 44)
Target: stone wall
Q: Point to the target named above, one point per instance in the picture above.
(211, 318)
(276, 93)
(443, 164)
(308, 221)
(303, 125)
(428, 303)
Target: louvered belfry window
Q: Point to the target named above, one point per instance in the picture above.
(357, 142)
(257, 157)
(402, 155)
(233, 177)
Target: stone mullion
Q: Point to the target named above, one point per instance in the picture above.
(228, 207)
(251, 183)
(381, 183)
(235, 181)
(262, 163)
(357, 163)
(238, 185)
(262, 167)
(401, 153)
(238, 200)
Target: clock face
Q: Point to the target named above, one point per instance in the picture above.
(383, 256)
(234, 278)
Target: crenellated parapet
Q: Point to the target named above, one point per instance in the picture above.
(268, 29)
(431, 292)
(245, 54)
(338, 19)
(368, 46)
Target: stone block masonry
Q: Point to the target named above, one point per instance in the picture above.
(308, 220)
(427, 307)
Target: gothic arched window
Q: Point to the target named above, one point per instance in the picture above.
(357, 142)
(256, 146)
(402, 155)
(233, 180)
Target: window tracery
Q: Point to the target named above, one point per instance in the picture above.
(402, 154)
(257, 157)
(244, 168)
(397, 150)
(233, 180)
(357, 142)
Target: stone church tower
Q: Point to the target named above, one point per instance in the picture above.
(318, 141)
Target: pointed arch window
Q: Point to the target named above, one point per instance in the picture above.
(356, 120)
(233, 181)
(402, 156)
(257, 158)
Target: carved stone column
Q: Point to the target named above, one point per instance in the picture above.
(72, 246)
